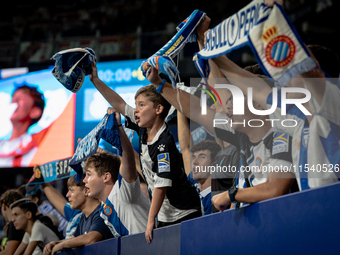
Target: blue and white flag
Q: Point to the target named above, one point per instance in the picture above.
(72, 66)
(51, 171)
(273, 39)
(175, 45)
(233, 32)
(278, 48)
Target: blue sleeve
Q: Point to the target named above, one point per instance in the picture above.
(195, 183)
(69, 212)
(207, 204)
(191, 178)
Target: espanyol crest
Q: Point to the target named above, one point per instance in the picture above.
(280, 49)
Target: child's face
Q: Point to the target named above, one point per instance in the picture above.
(76, 197)
(145, 112)
(19, 218)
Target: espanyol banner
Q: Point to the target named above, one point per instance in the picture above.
(273, 39)
(185, 29)
(162, 59)
(52, 171)
(60, 169)
(278, 48)
(232, 33)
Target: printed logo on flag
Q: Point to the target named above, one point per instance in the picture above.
(37, 173)
(163, 162)
(280, 49)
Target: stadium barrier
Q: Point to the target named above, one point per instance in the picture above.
(305, 222)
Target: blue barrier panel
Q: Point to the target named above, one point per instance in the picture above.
(106, 247)
(73, 251)
(166, 241)
(306, 222)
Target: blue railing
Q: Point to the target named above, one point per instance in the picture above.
(306, 222)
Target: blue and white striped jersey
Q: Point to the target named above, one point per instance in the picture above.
(316, 148)
(126, 209)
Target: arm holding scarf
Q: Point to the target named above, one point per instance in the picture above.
(110, 95)
(221, 67)
(128, 168)
(57, 200)
(316, 86)
(244, 79)
(215, 75)
(190, 103)
(185, 141)
(162, 60)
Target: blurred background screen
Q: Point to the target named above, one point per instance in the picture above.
(66, 116)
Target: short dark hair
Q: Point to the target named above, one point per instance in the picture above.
(26, 205)
(10, 196)
(104, 162)
(209, 145)
(37, 96)
(72, 182)
(328, 59)
(150, 92)
(255, 69)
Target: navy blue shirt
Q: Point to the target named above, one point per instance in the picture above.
(93, 223)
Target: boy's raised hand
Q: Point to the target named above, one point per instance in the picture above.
(202, 27)
(270, 3)
(153, 76)
(111, 110)
(94, 73)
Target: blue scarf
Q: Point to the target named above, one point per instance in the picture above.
(162, 60)
(249, 26)
(72, 66)
(107, 129)
(60, 169)
(51, 171)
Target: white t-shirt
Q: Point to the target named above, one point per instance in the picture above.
(42, 234)
(126, 209)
